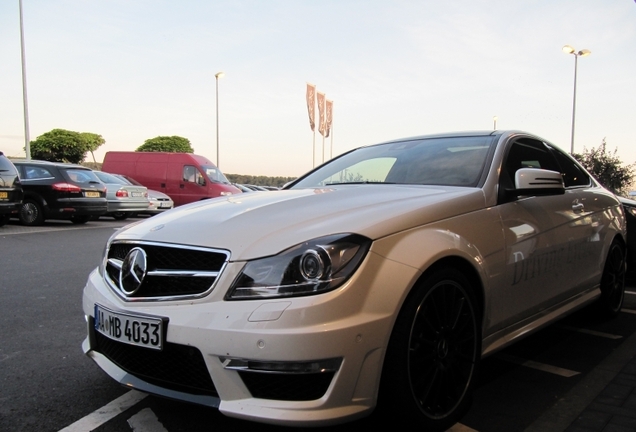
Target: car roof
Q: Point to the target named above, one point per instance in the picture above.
(49, 163)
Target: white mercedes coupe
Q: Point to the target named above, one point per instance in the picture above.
(376, 281)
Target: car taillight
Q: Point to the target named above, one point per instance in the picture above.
(66, 187)
(121, 193)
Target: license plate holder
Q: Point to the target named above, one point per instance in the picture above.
(91, 194)
(4, 195)
(132, 329)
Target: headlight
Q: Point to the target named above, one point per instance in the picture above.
(312, 267)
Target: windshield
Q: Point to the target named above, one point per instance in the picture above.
(80, 175)
(448, 161)
(109, 178)
(214, 174)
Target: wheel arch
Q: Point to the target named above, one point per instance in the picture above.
(466, 268)
(39, 199)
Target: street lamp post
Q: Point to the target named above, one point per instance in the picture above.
(569, 50)
(27, 137)
(217, 76)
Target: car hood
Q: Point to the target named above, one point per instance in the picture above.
(256, 225)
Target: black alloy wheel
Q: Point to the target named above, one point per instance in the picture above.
(613, 281)
(432, 359)
(31, 213)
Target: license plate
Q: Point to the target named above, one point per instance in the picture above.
(137, 194)
(4, 195)
(91, 194)
(162, 205)
(128, 328)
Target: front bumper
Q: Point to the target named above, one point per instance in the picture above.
(255, 354)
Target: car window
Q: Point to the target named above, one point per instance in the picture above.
(457, 161)
(80, 175)
(573, 174)
(33, 172)
(526, 153)
(214, 174)
(191, 174)
(6, 166)
(108, 178)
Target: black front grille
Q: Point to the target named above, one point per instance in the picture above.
(172, 271)
(289, 387)
(176, 367)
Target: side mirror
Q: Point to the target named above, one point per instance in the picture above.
(537, 182)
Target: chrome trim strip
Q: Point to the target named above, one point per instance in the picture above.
(183, 273)
(282, 367)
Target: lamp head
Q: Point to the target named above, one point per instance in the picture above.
(568, 49)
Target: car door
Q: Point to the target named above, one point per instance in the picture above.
(542, 236)
(590, 204)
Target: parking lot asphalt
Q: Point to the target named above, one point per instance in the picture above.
(605, 399)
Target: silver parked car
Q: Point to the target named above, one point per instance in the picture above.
(123, 198)
(159, 201)
(378, 280)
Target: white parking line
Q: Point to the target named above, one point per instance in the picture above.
(105, 413)
(592, 332)
(146, 421)
(458, 427)
(539, 366)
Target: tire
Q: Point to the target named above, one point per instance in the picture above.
(80, 220)
(31, 213)
(120, 215)
(433, 354)
(613, 281)
(4, 219)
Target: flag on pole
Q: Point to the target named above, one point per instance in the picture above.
(329, 116)
(311, 105)
(321, 113)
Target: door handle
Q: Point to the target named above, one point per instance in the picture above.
(578, 207)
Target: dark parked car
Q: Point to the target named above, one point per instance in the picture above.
(55, 190)
(629, 206)
(10, 190)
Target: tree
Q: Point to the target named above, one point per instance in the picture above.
(607, 168)
(59, 145)
(92, 141)
(175, 144)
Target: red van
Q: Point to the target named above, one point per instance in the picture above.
(185, 177)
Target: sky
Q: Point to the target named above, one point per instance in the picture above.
(131, 70)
